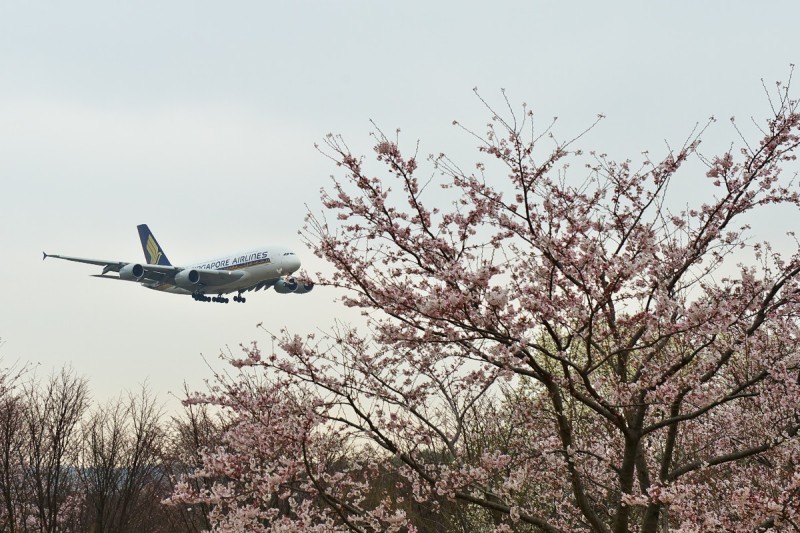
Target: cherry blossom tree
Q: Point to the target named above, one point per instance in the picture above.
(548, 347)
(192, 431)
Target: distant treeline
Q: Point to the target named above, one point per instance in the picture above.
(68, 464)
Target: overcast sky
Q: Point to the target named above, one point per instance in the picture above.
(200, 118)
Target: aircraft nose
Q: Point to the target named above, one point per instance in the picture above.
(291, 263)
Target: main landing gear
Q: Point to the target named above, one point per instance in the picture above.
(218, 299)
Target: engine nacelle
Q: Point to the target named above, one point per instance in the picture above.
(288, 285)
(285, 286)
(303, 288)
(132, 272)
(187, 279)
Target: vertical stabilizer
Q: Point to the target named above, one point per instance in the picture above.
(152, 251)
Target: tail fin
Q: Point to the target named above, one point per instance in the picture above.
(152, 251)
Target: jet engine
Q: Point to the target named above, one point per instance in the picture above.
(287, 285)
(187, 279)
(132, 272)
(303, 288)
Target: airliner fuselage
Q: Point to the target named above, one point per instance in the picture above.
(257, 265)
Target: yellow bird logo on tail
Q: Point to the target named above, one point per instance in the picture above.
(153, 251)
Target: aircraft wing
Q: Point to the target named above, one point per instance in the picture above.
(158, 273)
(152, 272)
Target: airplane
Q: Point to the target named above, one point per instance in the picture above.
(251, 270)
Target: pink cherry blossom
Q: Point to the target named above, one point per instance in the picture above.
(544, 347)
